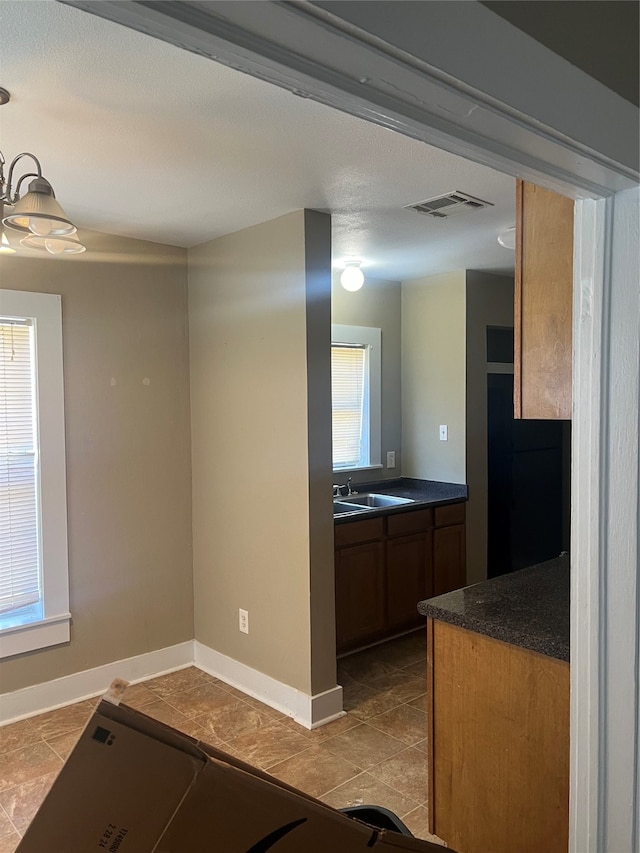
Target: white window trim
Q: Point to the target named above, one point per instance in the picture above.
(46, 310)
(372, 339)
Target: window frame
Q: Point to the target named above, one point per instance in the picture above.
(53, 628)
(371, 339)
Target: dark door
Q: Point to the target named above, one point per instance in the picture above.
(525, 480)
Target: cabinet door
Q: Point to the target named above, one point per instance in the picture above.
(543, 303)
(360, 594)
(449, 558)
(409, 579)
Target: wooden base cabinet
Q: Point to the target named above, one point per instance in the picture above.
(449, 549)
(385, 566)
(409, 573)
(497, 745)
(360, 593)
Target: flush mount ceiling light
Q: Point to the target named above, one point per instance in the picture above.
(508, 238)
(352, 277)
(36, 213)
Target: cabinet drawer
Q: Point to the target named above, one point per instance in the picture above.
(353, 532)
(452, 514)
(409, 522)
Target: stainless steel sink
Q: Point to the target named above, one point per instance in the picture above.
(371, 500)
(339, 507)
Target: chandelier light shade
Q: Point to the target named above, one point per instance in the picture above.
(65, 244)
(36, 213)
(352, 277)
(5, 247)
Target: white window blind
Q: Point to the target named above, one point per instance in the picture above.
(20, 583)
(347, 394)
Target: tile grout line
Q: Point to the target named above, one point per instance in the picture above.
(15, 828)
(362, 772)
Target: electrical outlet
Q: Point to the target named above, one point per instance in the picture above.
(243, 620)
(391, 459)
(444, 432)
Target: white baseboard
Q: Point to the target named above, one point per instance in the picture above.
(91, 682)
(309, 711)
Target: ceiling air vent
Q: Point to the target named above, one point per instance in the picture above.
(443, 206)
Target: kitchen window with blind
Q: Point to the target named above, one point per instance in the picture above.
(34, 585)
(355, 396)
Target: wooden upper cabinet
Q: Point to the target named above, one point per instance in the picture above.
(543, 304)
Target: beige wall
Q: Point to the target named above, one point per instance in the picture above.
(377, 305)
(489, 303)
(127, 447)
(433, 376)
(317, 237)
(256, 546)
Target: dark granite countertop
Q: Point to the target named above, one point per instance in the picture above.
(423, 493)
(528, 608)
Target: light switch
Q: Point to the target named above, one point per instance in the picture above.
(391, 459)
(444, 432)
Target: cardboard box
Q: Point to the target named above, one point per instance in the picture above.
(134, 785)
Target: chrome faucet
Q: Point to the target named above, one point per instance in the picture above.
(337, 489)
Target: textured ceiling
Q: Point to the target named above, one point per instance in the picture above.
(142, 139)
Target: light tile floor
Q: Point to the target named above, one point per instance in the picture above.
(374, 755)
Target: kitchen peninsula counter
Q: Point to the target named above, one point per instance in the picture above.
(528, 608)
(498, 711)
